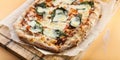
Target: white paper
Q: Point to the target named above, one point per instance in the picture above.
(107, 10)
(9, 20)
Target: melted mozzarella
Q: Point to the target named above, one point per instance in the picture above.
(60, 16)
(59, 11)
(47, 13)
(68, 1)
(34, 24)
(59, 26)
(56, 2)
(75, 22)
(35, 30)
(40, 10)
(83, 9)
(50, 33)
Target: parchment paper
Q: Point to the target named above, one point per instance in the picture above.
(107, 12)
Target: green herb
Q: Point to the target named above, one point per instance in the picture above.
(80, 16)
(53, 15)
(43, 5)
(59, 33)
(54, 12)
(91, 3)
(78, 19)
(81, 9)
(39, 13)
(38, 27)
(64, 11)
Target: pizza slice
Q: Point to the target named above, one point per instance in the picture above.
(57, 25)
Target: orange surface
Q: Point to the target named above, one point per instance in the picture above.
(100, 49)
(108, 49)
(5, 55)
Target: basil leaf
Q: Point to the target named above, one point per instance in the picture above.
(36, 27)
(43, 5)
(40, 7)
(64, 12)
(39, 12)
(59, 33)
(91, 3)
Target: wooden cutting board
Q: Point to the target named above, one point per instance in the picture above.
(24, 51)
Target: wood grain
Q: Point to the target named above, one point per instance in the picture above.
(25, 51)
(3, 40)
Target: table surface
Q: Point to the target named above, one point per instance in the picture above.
(100, 49)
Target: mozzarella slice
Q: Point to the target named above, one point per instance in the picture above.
(83, 9)
(59, 11)
(75, 21)
(60, 16)
(35, 27)
(40, 10)
(50, 33)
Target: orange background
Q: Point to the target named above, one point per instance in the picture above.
(100, 49)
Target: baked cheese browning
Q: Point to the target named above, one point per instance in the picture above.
(30, 23)
(58, 15)
(57, 25)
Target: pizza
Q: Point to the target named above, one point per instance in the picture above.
(57, 25)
